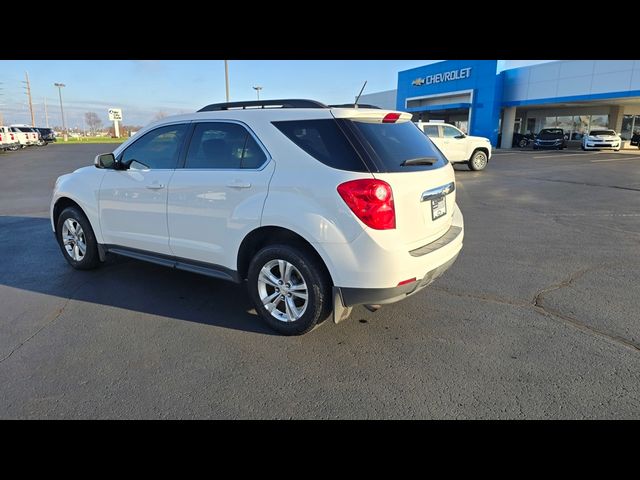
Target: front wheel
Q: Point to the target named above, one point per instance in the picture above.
(289, 288)
(523, 143)
(478, 161)
(77, 240)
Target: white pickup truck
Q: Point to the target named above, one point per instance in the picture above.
(457, 146)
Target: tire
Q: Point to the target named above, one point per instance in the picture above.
(302, 269)
(523, 143)
(535, 147)
(67, 225)
(478, 161)
(583, 149)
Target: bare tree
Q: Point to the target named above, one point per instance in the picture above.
(93, 121)
(160, 114)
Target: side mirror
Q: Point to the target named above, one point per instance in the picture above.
(105, 160)
(462, 135)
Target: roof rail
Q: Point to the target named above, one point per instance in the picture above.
(352, 105)
(286, 103)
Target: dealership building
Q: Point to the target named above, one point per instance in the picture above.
(575, 95)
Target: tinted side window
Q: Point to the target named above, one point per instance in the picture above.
(224, 146)
(431, 131)
(324, 141)
(157, 149)
(450, 132)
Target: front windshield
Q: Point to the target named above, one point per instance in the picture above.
(599, 133)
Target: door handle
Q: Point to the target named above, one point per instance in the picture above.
(155, 186)
(238, 184)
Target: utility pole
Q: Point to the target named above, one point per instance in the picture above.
(257, 88)
(64, 125)
(28, 87)
(1, 116)
(226, 77)
(46, 114)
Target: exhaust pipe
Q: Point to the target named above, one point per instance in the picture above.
(373, 308)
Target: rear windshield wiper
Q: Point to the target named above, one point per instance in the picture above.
(419, 161)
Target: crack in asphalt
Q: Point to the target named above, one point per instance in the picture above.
(537, 305)
(55, 317)
(58, 313)
(574, 322)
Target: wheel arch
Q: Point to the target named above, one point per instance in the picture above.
(259, 238)
(484, 150)
(59, 207)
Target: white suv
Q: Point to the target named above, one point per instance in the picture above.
(317, 208)
(457, 146)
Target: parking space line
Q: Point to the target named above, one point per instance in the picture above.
(561, 155)
(615, 159)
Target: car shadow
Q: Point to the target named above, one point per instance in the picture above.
(31, 259)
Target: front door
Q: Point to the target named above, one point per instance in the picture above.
(455, 144)
(133, 201)
(217, 197)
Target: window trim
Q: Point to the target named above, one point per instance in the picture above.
(443, 127)
(183, 155)
(180, 150)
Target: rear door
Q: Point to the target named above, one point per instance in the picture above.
(217, 197)
(424, 194)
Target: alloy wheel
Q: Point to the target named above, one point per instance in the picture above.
(282, 290)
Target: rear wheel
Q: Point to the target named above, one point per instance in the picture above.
(478, 161)
(289, 288)
(523, 143)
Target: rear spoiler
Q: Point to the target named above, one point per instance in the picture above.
(371, 115)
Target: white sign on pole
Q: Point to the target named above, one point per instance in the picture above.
(115, 114)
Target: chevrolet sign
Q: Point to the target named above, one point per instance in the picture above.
(442, 77)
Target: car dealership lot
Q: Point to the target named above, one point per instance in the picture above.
(538, 318)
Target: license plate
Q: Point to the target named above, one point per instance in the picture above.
(438, 207)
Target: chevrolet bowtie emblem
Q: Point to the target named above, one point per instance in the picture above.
(418, 81)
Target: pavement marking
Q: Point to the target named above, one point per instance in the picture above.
(614, 159)
(561, 155)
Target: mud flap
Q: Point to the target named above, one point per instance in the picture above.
(340, 312)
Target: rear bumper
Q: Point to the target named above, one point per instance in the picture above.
(380, 296)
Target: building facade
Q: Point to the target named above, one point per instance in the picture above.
(575, 95)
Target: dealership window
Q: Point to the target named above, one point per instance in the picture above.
(630, 126)
(576, 126)
(599, 121)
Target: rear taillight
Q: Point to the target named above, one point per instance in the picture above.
(12, 137)
(372, 202)
(391, 118)
(0, 137)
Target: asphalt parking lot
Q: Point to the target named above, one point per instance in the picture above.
(538, 318)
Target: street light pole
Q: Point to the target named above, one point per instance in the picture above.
(64, 125)
(257, 88)
(226, 78)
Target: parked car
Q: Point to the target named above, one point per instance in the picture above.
(550, 138)
(457, 146)
(26, 135)
(602, 139)
(361, 208)
(521, 140)
(47, 135)
(635, 139)
(8, 139)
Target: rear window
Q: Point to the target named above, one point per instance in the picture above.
(392, 144)
(24, 129)
(324, 141)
